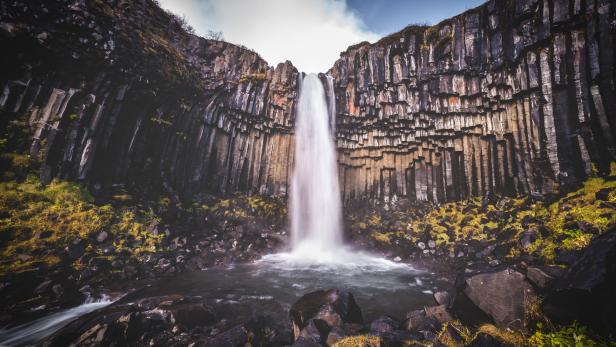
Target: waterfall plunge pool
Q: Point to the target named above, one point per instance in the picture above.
(270, 287)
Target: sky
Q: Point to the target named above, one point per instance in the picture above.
(309, 33)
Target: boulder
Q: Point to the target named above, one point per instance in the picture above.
(234, 337)
(333, 306)
(414, 320)
(335, 335)
(317, 330)
(443, 298)
(586, 291)
(192, 315)
(438, 313)
(504, 296)
(542, 276)
(383, 325)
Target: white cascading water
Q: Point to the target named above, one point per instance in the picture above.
(315, 205)
(316, 222)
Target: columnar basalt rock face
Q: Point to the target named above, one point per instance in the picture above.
(511, 97)
(118, 92)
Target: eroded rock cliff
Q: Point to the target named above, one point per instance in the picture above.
(118, 92)
(510, 97)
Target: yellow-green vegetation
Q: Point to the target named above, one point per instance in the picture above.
(241, 208)
(39, 222)
(359, 341)
(572, 335)
(566, 224)
(506, 337)
(253, 77)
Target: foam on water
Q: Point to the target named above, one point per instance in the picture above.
(37, 330)
(315, 205)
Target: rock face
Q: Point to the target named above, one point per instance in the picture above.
(316, 313)
(117, 91)
(505, 296)
(509, 97)
(586, 292)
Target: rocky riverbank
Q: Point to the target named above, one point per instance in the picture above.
(502, 306)
(515, 264)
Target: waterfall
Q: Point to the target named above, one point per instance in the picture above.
(314, 202)
(315, 207)
(332, 104)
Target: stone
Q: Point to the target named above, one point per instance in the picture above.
(383, 325)
(443, 298)
(336, 334)
(414, 320)
(333, 306)
(539, 277)
(57, 289)
(75, 249)
(431, 244)
(192, 315)
(43, 287)
(317, 330)
(421, 245)
(438, 313)
(484, 340)
(505, 296)
(303, 342)
(585, 293)
(234, 337)
(603, 194)
(102, 236)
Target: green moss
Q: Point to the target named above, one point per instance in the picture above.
(359, 341)
(41, 221)
(254, 77)
(571, 335)
(381, 237)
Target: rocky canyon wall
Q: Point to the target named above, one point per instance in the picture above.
(118, 92)
(511, 97)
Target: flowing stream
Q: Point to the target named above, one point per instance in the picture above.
(32, 332)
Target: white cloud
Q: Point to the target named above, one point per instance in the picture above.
(309, 33)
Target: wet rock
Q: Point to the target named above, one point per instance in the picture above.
(303, 342)
(335, 335)
(539, 277)
(234, 337)
(414, 320)
(57, 289)
(383, 325)
(43, 287)
(191, 315)
(443, 298)
(438, 313)
(317, 330)
(503, 295)
(332, 306)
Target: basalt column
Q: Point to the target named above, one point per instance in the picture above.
(513, 97)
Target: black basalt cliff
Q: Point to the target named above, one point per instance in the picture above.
(512, 97)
